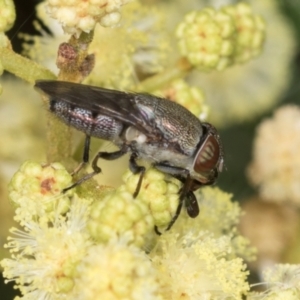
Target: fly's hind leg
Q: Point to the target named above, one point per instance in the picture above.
(86, 154)
(96, 169)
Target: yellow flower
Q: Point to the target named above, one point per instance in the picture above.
(243, 92)
(36, 191)
(251, 31)
(159, 191)
(118, 213)
(206, 39)
(116, 271)
(214, 40)
(196, 266)
(44, 256)
(220, 215)
(275, 168)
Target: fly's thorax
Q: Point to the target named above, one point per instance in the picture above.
(177, 124)
(90, 122)
(155, 150)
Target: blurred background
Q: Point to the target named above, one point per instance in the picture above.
(238, 134)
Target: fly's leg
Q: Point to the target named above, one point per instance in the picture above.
(96, 169)
(191, 205)
(86, 154)
(191, 202)
(136, 169)
(184, 193)
(184, 176)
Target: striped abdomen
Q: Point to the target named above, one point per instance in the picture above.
(90, 122)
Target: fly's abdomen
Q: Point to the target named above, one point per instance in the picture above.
(91, 123)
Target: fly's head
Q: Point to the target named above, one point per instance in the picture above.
(209, 159)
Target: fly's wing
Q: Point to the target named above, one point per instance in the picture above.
(112, 103)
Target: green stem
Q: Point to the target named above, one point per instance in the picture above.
(59, 141)
(84, 39)
(23, 67)
(179, 70)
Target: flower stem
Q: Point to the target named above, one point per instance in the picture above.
(23, 67)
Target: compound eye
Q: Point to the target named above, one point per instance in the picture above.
(208, 155)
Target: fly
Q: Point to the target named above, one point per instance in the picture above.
(154, 129)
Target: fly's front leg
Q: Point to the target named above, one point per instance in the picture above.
(184, 195)
(96, 169)
(191, 204)
(136, 169)
(184, 176)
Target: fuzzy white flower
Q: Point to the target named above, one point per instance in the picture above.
(80, 15)
(117, 271)
(283, 282)
(275, 168)
(198, 266)
(219, 215)
(44, 257)
(271, 228)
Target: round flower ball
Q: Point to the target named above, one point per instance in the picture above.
(275, 168)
